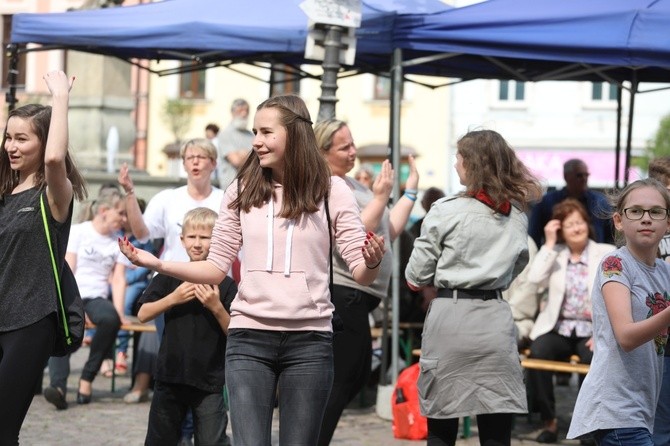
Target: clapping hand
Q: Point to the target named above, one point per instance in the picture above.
(124, 179)
(208, 295)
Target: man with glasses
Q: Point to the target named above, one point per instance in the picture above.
(576, 175)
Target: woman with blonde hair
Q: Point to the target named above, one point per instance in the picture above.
(352, 348)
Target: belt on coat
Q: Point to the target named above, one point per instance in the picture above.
(463, 293)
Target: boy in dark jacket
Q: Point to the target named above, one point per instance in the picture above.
(191, 359)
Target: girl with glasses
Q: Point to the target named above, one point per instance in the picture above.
(617, 402)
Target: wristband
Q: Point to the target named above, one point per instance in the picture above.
(410, 197)
(411, 191)
(373, 267)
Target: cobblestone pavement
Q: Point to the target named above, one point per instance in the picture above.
(110, 421)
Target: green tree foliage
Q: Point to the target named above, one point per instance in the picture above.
(177, 115)
(656, 147)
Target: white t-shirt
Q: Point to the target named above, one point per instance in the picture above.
(165, 213)
(97, 254)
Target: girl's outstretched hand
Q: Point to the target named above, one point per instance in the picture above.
(138, 257)
(373, 250)
(58, 82)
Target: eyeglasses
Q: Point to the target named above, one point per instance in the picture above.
(636, 213)
(191, 158)
(574, 224)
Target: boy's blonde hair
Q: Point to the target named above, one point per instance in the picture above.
(199, 218)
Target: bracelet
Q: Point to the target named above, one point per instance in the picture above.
(411, 191)
(373, 267)
(411, 197)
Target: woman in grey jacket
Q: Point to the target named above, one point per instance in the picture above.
(471, 247)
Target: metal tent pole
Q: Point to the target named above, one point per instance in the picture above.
(12, 76)
(331, 66)
(396, 103)
(629, 138)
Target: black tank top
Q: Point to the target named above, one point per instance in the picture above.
(27, 287)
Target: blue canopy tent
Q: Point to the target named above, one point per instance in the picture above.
(210, 33)
(532, 40)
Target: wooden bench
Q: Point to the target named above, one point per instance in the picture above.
(572, 365)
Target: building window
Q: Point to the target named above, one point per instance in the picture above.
(6, 39)
(511, 91)
(285, 80)
(601, 91)
(382, 88)
(192, 84)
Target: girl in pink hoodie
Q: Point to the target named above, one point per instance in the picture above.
(281, 208)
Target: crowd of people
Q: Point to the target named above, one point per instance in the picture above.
(264, 285)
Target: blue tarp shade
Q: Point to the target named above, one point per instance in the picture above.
(544, 39)
(211, 30)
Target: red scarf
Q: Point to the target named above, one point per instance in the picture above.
(481, 195)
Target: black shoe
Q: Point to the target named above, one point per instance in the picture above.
(55, 396)
(563, 379)
(547, 437)
(83, 398)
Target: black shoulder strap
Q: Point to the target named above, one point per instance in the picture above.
(330, 245)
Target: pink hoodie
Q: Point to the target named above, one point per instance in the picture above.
(284, 274)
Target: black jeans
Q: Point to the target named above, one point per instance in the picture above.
(23, 353)
(555, 347)
(352, 355)
(102, 313)
(168, 408)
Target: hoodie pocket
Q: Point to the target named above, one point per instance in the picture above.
(276, 296)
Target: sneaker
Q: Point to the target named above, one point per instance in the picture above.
(121, 367)
(185, 441)
(55, 396)
(134, 397)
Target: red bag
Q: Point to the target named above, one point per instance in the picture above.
(408, 423)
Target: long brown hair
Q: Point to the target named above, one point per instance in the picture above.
(306, 176)
(492, 165)
(39, 117)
